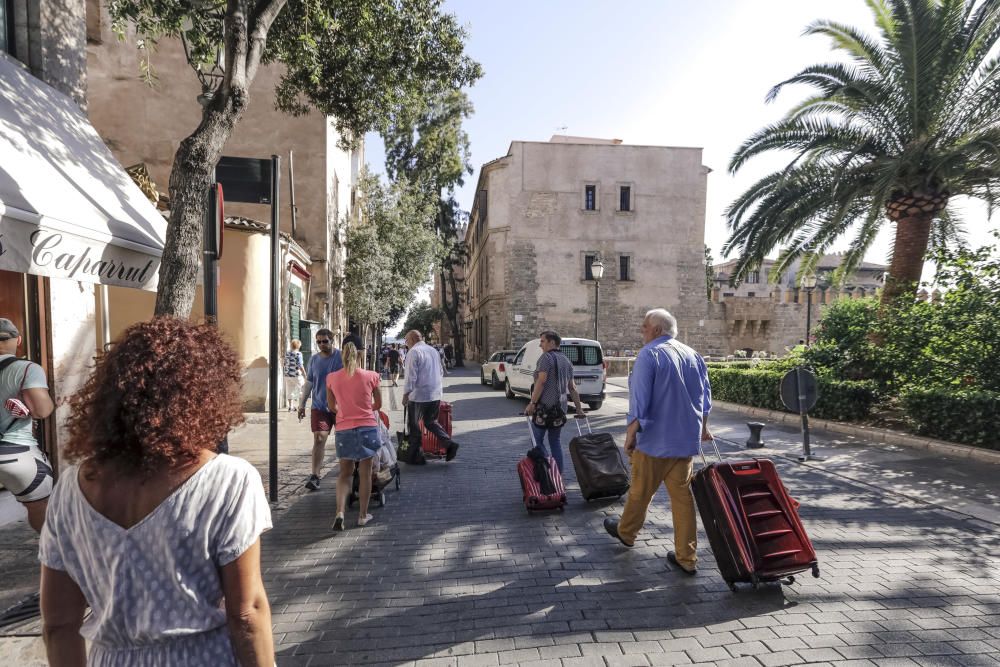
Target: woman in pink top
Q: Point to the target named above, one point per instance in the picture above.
(354, 394)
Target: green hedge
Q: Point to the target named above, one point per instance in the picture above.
(972, 417)
(838, 399)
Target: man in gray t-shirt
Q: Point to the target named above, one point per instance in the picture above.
(553, 382)
(24, 396)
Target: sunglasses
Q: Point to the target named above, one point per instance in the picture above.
(322, 341)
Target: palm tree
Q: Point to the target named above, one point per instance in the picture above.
(907, 123)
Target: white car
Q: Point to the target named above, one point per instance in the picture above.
(494, 371)
(589, 369)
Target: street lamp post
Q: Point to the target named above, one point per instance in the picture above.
(809, 283)
(597, 270)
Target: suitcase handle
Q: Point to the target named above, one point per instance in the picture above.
(576, 420)
(531, 431)
(701, 450)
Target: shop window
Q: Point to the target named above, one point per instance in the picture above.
(7, 26)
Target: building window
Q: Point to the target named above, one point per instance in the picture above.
(625, 198)
(753, 278)
(590, 198)
(624, 267)
(751, 294)
(588, 261)
(7, 26)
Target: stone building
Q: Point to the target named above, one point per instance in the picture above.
(762, 316)
(545, 211)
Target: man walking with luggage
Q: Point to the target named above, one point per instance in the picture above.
(669, 402)
(422, 393)
(321, 420)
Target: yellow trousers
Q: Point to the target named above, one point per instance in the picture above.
(648, 472)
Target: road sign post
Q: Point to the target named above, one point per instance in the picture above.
(799, 393)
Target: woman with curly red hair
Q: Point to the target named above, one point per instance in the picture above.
(151, 528)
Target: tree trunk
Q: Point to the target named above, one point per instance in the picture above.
(190, 178)
(913, 214)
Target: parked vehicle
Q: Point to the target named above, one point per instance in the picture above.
(589, 369)
(494, 371)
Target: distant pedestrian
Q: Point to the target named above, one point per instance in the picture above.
(24, 396)
(150, 528)
(395, 359)
(422, 394)
(353, 337)
(449, 355)
(295, 374)
(548, 405)
(321, 420)
(669, 402)
(354, 394)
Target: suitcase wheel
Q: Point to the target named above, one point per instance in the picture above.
(816, 571)
(789, 580)
(381, 499)
(732, 586)
(754, 581)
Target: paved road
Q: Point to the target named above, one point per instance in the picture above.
(454, 572)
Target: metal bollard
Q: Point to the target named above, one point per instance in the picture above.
(754, 442)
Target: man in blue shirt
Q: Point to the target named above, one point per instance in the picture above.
(669, 402)
(321, 420)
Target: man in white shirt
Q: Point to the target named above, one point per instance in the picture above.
(422, 393)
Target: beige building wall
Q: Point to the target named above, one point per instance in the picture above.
(530, 232)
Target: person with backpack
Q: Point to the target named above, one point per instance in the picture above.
(548, 405)
(295, 374)
(24, 392)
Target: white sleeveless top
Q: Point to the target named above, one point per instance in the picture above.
(155, 589)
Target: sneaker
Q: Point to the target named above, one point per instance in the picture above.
(673, 561)
(363, 521)
(313, 483)
(451, 451)
(338, 523)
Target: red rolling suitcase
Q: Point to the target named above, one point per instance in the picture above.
(752, 523)
(429, 442)
(531, 488)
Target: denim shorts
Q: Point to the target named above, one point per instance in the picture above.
(357, 444)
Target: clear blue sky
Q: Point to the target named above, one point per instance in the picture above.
(661, 72)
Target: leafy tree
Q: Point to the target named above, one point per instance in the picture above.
(390, 252)
(363, 62)
(949, 343)
(422, 317)
(910, 121)
(432, 150)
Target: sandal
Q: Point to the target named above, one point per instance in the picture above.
(338, 523)
(364, 521)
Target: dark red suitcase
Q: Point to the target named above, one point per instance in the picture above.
(752, 523)
(429, 442)
(531, 489)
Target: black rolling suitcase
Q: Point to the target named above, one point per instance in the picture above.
(599, 464)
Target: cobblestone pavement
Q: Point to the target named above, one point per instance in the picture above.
(454, 572)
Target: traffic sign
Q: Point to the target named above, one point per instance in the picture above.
(799, 390)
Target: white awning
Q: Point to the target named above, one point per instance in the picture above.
(68, 208)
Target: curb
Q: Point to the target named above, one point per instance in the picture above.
(869, 433)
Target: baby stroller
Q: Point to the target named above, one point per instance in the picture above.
(385, 469)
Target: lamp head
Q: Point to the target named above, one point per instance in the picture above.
(597, 268)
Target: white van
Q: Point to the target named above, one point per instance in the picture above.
(589, 370)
